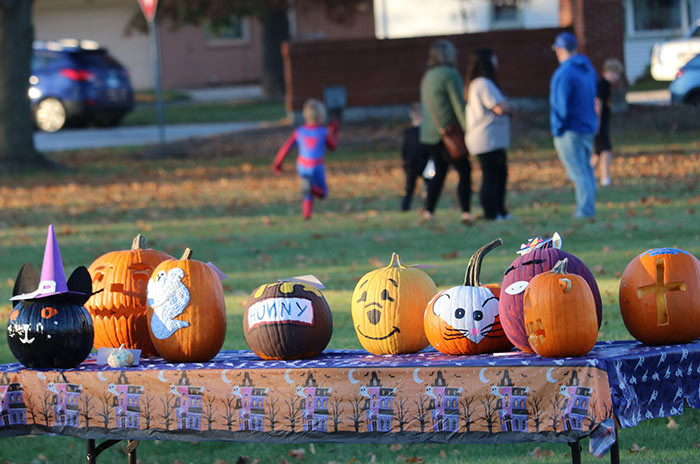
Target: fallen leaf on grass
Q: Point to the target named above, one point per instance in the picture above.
(637, 449)
(599, 269)
(672, 424)
(298, 453)
(312, 448)
(443, 454)
(696, 445)
(396, 447)
(376, 262)
(450, 255)
(540, 453)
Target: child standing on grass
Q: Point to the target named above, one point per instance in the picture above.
(311, 139)
(602, 152)
(414, 156)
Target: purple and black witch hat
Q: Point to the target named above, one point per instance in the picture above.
(30, 286)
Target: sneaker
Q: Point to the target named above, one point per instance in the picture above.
(605, 182)
(467, 218)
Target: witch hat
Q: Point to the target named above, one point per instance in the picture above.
(53, 279)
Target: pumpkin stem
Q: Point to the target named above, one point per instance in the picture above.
(395, 261)
(187, 254)
(139, 243)
(471, 277)
(560, 267)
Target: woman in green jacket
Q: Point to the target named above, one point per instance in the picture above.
(442, 99)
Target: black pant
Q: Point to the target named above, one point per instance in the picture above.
(494, 168)
(438, 153)
(413, 171)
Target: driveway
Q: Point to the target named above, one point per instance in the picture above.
(72, 139)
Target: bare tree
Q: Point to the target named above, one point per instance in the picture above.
(29, 408)
(85, 408)
(401, 413)
(557, 403)
(272, 411)
(208, 411)
(357, 409)
(466, 411)
(168, 404)
(107, 403)
(148, 409)
(536, 411)
(294, 407)
(46, 407)
(422, 412)
(229, 415)
(490, 412)
(336, 412)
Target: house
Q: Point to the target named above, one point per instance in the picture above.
(191, 56)
(645, 22)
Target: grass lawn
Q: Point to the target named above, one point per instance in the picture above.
(233, 211)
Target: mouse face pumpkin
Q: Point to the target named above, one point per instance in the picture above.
(464, 319)
(516, 280)
(388, 306)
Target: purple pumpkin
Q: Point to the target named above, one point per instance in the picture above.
(518, 276)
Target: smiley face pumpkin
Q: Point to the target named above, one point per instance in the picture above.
(388, 306)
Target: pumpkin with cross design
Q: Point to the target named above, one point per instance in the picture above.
(464, 319)
(660, 297)
(287, 320)
(534, 260)
(118, 304)
(388, 306)
(559, 313)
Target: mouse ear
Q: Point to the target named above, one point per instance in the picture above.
(80, 282)
(27, 280)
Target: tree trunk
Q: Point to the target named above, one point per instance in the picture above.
(275, 30)
(16, 127)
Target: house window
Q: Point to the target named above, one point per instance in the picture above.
(656, 15)
(235, 29)
(505, 13)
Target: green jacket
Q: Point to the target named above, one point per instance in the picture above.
(441, 97)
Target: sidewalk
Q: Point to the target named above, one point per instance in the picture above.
(220, 94)
(649, 97)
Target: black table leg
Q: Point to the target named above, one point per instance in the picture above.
(131, 450)
(615, 451)
(575, 452)
(94, 451)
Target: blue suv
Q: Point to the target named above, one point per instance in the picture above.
(686, 87)
(77, 82)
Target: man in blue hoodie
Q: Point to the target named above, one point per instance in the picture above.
(573, 119)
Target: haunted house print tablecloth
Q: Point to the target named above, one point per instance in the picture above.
(352, 396)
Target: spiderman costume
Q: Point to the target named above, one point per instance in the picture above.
(311, 141)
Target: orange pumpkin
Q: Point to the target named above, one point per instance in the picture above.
(464, 319)
(660, 297)
(560, 313)
(186, 310)
(118, 303)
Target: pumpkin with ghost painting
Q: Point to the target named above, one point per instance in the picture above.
(287, 320)
(118, 305)
(388, 306)
(464, 319)
(660, 297)
(536, 257)
(186, 310)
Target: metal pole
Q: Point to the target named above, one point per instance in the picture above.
(155, 58)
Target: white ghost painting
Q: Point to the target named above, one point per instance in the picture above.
(168, 297)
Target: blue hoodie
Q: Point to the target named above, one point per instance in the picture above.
(572, 94)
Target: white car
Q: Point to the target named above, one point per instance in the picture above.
(668, 57)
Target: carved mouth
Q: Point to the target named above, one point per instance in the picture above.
(395, 330)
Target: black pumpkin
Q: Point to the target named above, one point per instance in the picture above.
(287, 320)
(53, 332)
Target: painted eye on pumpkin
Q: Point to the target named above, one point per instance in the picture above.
(532, 261)
(363, 297)
(385, 295)
(478, 315)
(459, 313)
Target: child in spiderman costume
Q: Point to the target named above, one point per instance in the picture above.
(311, 139)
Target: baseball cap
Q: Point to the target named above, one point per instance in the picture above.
(565, 40)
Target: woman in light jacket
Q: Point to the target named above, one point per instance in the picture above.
(488, 131)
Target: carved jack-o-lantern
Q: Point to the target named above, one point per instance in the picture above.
(186, 310)
(464, 319)
(559, 313)
(660, 297)
(516, 280)
(388, 306)
(118, 305)
(287, 320)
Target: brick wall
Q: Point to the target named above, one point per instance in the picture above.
(388, 72)
(599, 26)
